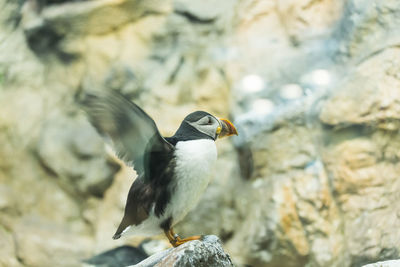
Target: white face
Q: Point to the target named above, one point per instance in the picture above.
(208, 125)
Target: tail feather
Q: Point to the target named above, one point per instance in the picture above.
(116, 236)
(120, 231)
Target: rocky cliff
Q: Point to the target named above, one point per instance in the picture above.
(312, 85)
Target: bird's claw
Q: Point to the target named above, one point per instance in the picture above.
(179, 241)
(175, 240)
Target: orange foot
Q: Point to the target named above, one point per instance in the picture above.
(179, 241)
(175, 240)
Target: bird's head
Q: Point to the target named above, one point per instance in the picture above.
(207, 125)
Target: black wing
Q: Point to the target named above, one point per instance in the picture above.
(134, 134)
(138, 205)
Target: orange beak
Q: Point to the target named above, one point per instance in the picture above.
(227, 128)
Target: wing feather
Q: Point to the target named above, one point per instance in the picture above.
(134, 134)
(136, 140)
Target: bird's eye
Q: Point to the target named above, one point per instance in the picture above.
(205, 121)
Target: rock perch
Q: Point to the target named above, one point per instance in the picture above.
(207, 252)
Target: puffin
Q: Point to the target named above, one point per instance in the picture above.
(172, 172)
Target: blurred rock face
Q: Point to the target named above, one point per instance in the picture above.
(312, 85)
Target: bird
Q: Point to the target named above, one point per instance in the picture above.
(172, 172)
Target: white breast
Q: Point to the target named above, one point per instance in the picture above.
(194, 163)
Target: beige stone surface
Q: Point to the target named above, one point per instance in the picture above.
(42, 243)
(8, 256)
(307, 18)
(369, 95)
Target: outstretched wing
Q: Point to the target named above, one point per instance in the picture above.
(134, 134)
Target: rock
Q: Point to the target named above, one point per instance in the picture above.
(391, 263)
(360, 160)
(374, 88)
(118, 257)
(57, 22)
(363, 181)
(42, 243)
(358, 31)
(296, 206)
(304, 19)
(207, 252)
(122, 78)
(202, 12)
(319, 190)
(8, 253)
(72, 150)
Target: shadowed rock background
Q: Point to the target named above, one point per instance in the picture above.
(313, 86)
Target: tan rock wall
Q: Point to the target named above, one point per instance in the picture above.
(311, 183)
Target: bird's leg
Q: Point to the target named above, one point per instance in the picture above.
(175, 240)
(170, 235)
